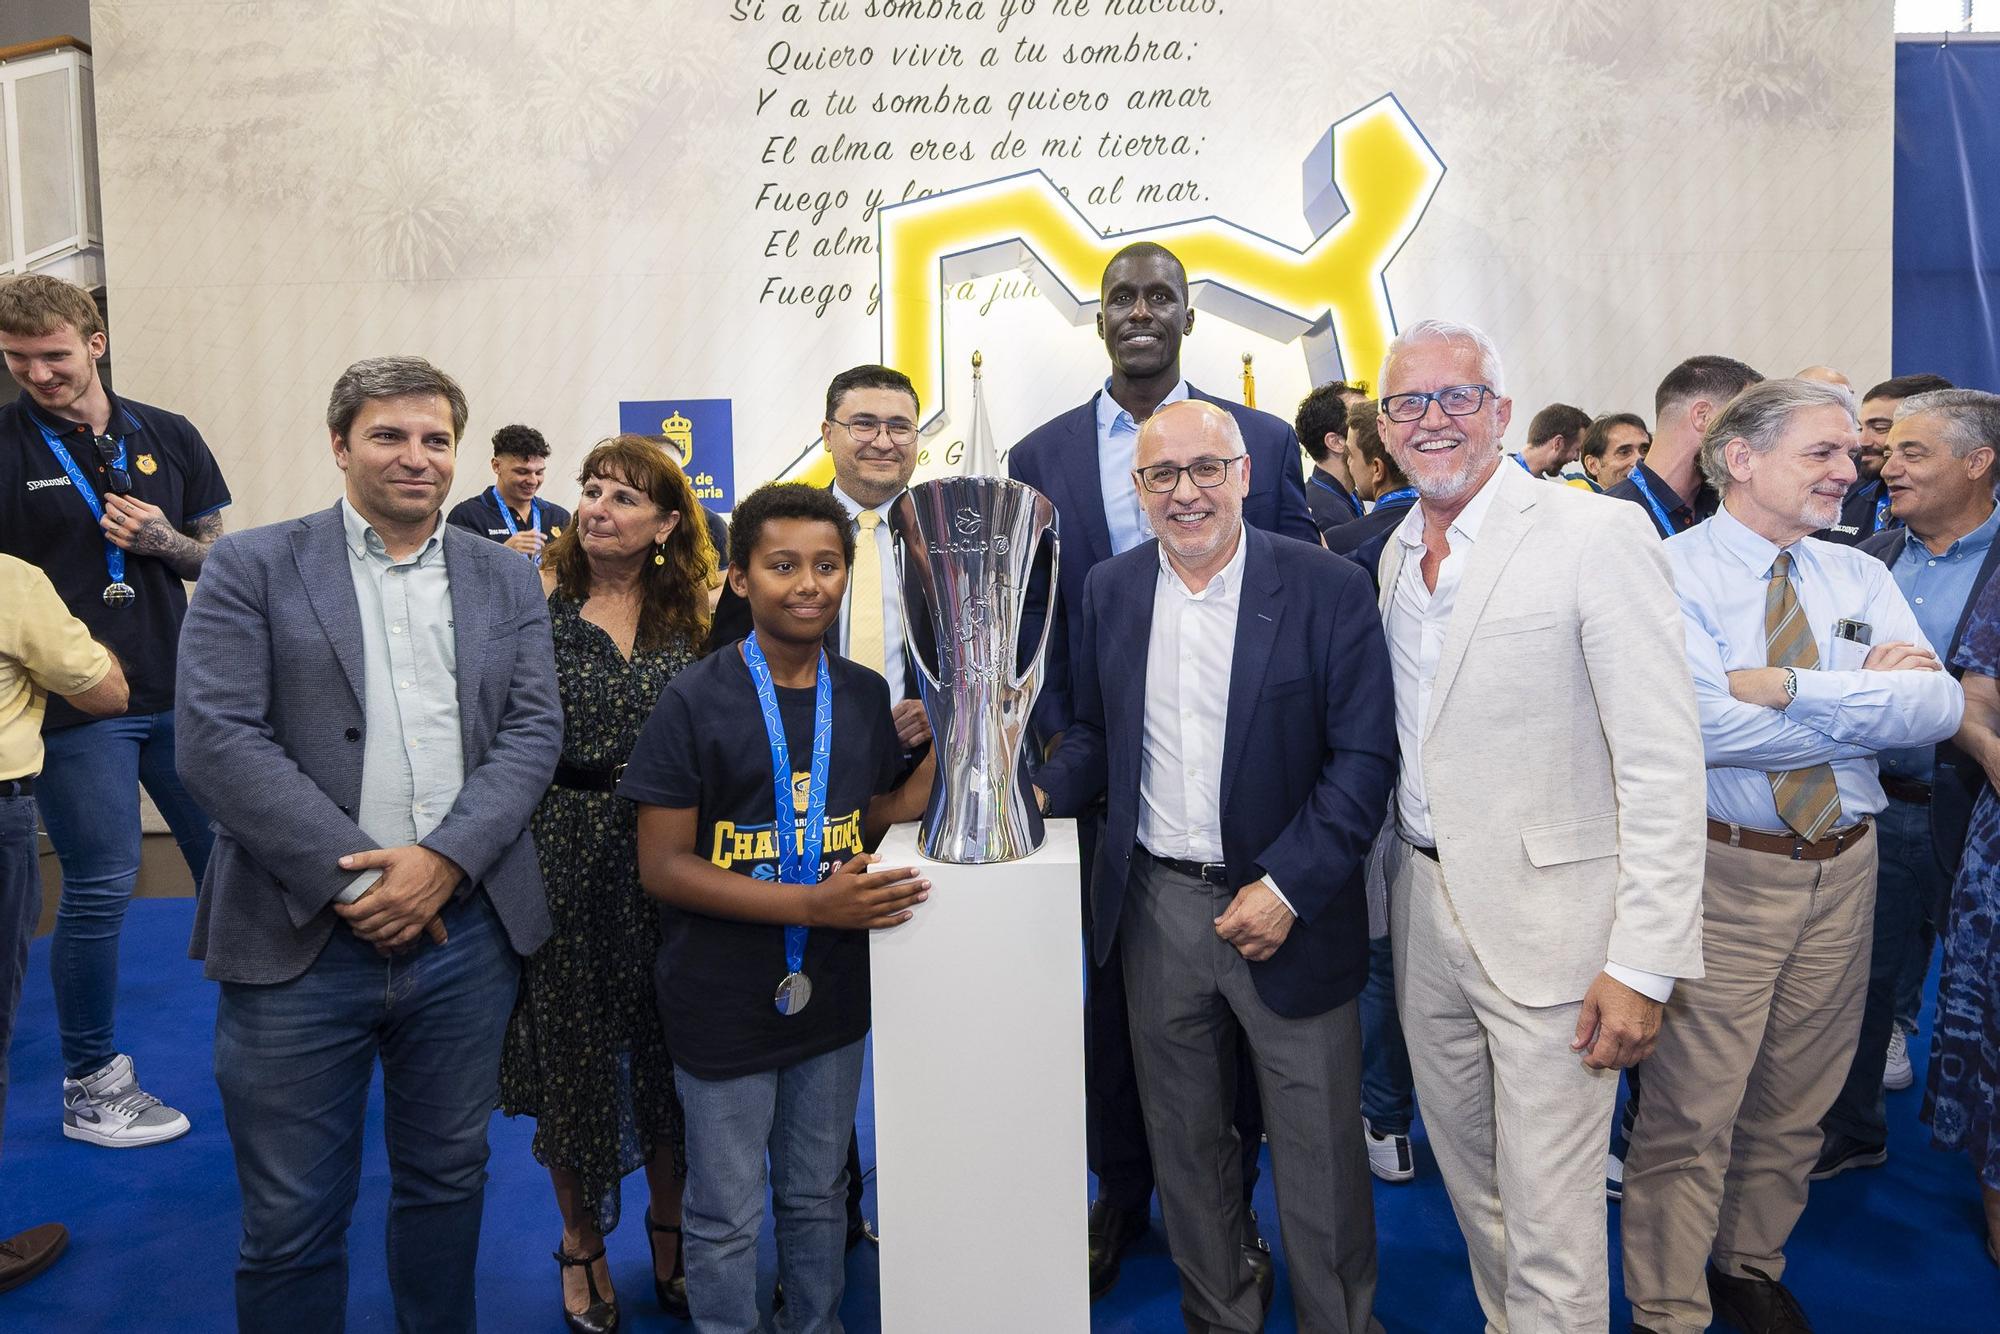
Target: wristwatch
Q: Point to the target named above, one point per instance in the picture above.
(1791, 686)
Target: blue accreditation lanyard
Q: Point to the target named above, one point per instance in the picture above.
(117, 593)
(507, 517)
(1523, 462)
(798, 858)
(1352, 501)
(1882, 509)
(1408, 493)
(1667, 528)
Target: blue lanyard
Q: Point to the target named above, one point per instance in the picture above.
(798, 859)
(1524, 464)
(1408, 493)
(1352, 501)
(507, 516)
(114, 555)
(1882, 516)
(1667, 528)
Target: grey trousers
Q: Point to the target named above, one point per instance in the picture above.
(1188, 991)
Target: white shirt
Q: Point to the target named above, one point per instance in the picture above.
(1189, 658)
(1843, 715)
(1117, 453)
(1418, 621)
(892, 589)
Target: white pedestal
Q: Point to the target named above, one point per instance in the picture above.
(980, 1165)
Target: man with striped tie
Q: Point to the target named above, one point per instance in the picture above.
(1807, 661)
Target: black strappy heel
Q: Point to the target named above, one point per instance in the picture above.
(673, 1290)
(601, 1316)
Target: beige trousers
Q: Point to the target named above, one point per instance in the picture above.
(1517, 1121)
(1750, 1057)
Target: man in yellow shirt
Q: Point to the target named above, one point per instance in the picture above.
(43, 651)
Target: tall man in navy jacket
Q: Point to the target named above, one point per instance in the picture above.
(1230, 703)
(1082, 461)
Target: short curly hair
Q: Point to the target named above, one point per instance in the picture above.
(784, 500)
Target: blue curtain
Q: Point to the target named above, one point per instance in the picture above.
(1947, 285)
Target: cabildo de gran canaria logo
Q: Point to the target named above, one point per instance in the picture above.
(698, 433)
(1366, 185)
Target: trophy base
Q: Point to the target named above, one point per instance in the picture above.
(981, 1174)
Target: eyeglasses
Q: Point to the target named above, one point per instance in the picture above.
(117, 481)
(1459, 400)
(1164, 477)
(901, 430)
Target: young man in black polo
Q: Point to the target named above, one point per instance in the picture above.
(118, 503)
(510, 511)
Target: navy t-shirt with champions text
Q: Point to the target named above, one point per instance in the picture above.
(45, 522)
(704, 747)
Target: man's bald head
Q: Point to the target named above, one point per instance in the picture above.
(1192, 473)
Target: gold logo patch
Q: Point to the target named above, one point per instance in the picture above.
(145, 463)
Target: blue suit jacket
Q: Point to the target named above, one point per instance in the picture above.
(1308, 759)
(1956, 778)
(268, 726)
(1059, 459)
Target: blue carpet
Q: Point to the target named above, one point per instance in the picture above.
(155, 1230)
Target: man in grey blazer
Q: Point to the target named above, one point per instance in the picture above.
(368, 709)
(1546, 874)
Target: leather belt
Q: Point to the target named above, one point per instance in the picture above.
(1789, 845)
(1905, 789)
(1209, 873)
(17, 787)
(589, 780)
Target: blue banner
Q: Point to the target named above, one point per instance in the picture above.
(1947, 210)
(699, 434)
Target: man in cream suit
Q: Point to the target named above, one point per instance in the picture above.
(1546, 874)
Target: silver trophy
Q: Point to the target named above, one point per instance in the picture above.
(966, 547)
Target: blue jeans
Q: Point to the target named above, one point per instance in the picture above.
(89, 795)
(293, 1062)
(1909, 880)
(20, 908)
(1388, 1093)
(801, 1116)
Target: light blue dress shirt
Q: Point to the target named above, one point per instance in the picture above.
(1938, 588)
(1117, 450)
(1843, 715)
(413, 760)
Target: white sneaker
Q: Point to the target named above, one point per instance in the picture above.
(1897, 1075)
(1614, 1176)
(1389, 1156)
(110, 1109)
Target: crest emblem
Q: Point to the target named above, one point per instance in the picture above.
(147, 464)
(678, 432)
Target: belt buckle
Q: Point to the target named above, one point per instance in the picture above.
(618, 772)
(1799, 847)
(1216, 873)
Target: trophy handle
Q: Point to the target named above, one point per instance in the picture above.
(1020, 678)
(916, 655)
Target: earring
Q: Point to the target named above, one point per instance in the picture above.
(660, 554)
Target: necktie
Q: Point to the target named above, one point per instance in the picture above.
(1808, 799)
(864, 597)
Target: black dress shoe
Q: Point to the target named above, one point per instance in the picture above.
(1758, 1304)
(1843, 1153)
(601, 1316)
(26, 1254)
(1112, 1232)
(1257, 1254)
(673, 1290)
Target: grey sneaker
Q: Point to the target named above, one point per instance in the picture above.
(1896, 1072)
(109, 1109)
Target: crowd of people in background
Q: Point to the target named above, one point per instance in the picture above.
(1416, 775)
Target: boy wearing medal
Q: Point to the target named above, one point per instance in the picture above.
(118, 503)
(757, 854)
(510, 511)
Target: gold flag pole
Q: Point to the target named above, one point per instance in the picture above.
(1249, 383)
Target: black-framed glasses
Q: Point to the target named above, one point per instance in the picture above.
(117, 481)
(1161, 478)
(901, 430)
(1458, 400)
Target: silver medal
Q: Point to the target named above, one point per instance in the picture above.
(119, 594)
(793, 993)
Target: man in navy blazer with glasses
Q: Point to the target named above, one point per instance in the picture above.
(1232, 705)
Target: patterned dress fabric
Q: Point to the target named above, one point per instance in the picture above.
(585, 1055)
(1962, 1102)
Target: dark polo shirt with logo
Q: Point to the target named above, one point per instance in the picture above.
(481, 514)
(45, 522)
